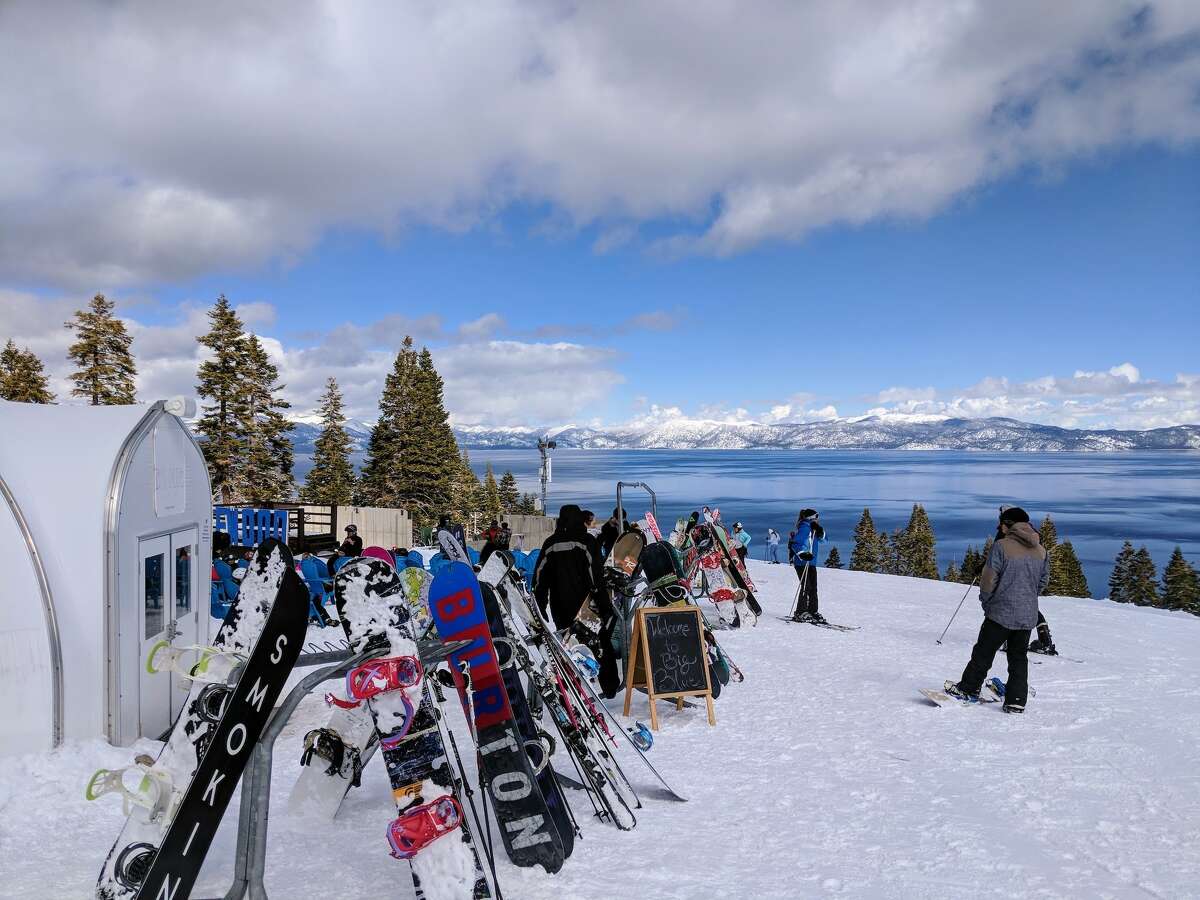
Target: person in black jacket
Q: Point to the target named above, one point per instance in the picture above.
(566, 570)
(611, 531)
(352, 546)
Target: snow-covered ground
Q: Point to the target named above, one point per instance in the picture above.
(826, 774)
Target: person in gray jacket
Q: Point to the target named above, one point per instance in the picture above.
(1016, 571)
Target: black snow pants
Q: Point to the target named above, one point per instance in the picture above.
(807, 573)
(991, 636)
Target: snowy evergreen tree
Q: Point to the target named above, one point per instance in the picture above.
(22, 379)
(1143, 579)
(952, 573)
(331, 480)
(866, 555)
(509, 498)
(491, 495)
(224, 423)
(834, 559)
(1048, 533)
(1180, 584)
(1119, 584)
(429, 455)
(104, 368)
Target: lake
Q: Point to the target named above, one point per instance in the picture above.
(1097, 500)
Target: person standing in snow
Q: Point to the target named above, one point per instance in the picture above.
(1016, 571)
(742, 536)
(803, 549)
(773, 546)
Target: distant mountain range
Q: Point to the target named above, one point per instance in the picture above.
(889, 432)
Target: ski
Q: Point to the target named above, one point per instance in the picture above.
(177, 800)
(830, 625)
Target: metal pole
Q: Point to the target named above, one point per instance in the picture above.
(957, 608)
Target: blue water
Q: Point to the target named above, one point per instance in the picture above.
(1097, 500)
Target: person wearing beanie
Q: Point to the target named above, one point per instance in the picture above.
(803, 547)
(1017, 570)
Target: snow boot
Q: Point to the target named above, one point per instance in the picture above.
(952, 688)
(1014, 707)
(1046, 649)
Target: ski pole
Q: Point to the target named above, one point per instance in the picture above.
(960, 603)
(800, 589)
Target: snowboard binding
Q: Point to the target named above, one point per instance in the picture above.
(167, 658)
(643, 738)
(151, 790)
(421, 826)
(327, 744)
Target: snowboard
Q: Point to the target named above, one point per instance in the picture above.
(652, 526)
(416, 584)
(452, 547)
(531, 738)
(380, 554)
(332, 763)
(715, 573)
(941, 698)
(526, 823)
(737, 569)
(374, 614)
(162, 846)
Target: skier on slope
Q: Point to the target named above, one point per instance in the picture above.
(742, 537)
(773, 546)
(1016, 571)
(803, 549)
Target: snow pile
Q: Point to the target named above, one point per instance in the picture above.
(827, 774)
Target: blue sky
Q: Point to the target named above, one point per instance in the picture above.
(907, 245)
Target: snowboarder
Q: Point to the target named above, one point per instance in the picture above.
(773, 546)
(1015, 573)
(803, 548)
(743, 541)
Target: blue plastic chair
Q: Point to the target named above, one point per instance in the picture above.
(339, 562)
(473, 555)
(438, 562)
(414, 560)
(530, 567)
(224, 591)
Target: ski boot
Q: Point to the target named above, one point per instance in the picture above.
(1046, 649)
(1014, 707)
(421, 826)
(817, 619)
(802, 617)
(152, 791)
(952, 688)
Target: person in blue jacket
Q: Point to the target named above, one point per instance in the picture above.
(803, 548)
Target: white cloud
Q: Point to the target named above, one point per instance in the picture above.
(134, 152)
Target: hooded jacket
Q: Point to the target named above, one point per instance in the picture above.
(568, 568)
(1016, 571)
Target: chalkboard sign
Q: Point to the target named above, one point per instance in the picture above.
(668, 658)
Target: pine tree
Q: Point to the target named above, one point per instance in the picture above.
(1119, 585)
(891, 551)
(1180, 584)
(223, 425)
(105, 369)
(508, 492)
(834, 559)
(1066, 574)
(1143, 579)
(269, 456)
(467, 491)
(429, 457)
(915, 546)
(331, 479)
(1048, 534)
(379, 485)
(972, 566)
(527, 505)
(866, 557)
(491, 495)
(952, 573)
(22, 379)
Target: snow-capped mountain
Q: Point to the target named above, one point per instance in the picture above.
(892, 432)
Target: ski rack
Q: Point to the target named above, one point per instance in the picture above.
(635, 484)
(250, 856)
